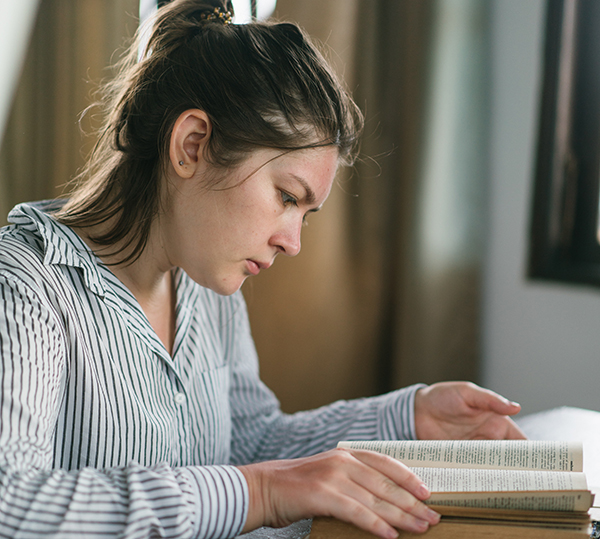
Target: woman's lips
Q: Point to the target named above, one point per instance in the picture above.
(254, 266)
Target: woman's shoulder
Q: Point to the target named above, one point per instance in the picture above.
(30, 227)
(23, 272)
(21, 251)
(34, 246)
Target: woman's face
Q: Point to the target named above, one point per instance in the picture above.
(220, 236)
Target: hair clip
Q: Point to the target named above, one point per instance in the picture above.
(218, 14)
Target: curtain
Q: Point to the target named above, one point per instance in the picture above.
(438, 335)
(386, 291)
(71, 45)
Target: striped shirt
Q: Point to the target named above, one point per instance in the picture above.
(103, 433)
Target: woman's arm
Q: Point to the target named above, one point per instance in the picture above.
(262, 432)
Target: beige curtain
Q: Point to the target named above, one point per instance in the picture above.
(384, 294)
(71, 45)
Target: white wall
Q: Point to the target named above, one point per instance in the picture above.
(541, 342)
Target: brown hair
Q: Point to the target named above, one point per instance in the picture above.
(261, 85)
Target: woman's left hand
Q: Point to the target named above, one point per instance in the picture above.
(464, 411)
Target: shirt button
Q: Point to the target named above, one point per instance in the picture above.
(179, 398)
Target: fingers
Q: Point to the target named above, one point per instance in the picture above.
(382, 518)
(495, 428)
(490, 413)
(485, 399)
(514, 432)
(385, 493)
(511, 431)
(392, 470)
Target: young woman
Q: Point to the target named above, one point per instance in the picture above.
(130, 400)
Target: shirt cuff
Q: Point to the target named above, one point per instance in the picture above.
(221, 501)
(396, 414)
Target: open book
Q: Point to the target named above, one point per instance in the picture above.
(527, 487)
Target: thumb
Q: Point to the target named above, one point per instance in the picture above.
(485, 399)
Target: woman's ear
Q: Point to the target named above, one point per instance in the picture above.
(189, 138)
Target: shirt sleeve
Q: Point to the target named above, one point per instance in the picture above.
(262, 432)
(130, 501)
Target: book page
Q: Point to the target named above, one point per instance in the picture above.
(515, 501)
(466, 480)
(495, 454)
(507, 489)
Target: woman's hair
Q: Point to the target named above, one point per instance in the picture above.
(261, 85)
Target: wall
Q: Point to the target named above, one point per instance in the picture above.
(541, 341)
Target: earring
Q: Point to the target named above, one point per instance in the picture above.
(181, 163)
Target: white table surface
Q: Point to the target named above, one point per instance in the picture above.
(571, 424)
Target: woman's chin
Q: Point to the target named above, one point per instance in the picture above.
(224, 283)
(226, 287)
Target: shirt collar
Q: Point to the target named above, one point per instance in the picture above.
(62, 246)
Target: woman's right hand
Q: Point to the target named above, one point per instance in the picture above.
(370, 490)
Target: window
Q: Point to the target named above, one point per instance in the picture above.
(565, 229)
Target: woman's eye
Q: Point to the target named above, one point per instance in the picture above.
(287, 199)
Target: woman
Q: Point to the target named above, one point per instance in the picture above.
(129, 394)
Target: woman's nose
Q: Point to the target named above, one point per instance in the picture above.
(287, 240)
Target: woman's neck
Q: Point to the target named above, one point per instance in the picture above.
(149, 278)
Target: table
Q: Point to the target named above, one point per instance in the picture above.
(571, 424)
(564, 423)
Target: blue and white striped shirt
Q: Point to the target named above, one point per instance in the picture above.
(103, 433)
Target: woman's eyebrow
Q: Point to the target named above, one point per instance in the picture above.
(310, 194)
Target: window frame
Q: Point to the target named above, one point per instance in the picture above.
(564, 242)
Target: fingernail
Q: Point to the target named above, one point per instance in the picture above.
(433, 517)
(421, 525)
(424, 491)
(391, 534)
